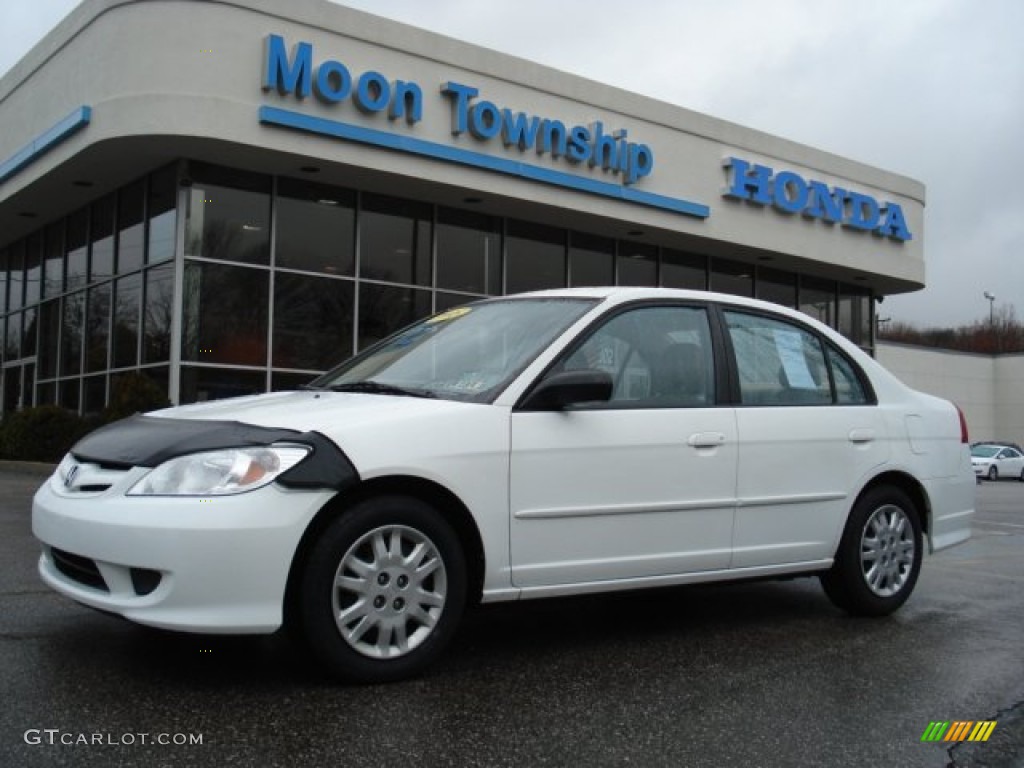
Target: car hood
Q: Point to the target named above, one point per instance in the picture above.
(305, 417)
(313, 411)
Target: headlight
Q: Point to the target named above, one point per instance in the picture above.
(220, 473)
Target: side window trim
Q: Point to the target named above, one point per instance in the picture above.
(729, 367)
(715, 351)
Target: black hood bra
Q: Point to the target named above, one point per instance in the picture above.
(147, 441)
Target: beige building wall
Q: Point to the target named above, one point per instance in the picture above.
(988, 388)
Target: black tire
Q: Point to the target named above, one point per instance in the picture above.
(395, 597)
(993, 473)
(879, 555)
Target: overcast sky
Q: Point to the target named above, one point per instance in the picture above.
(932, 89)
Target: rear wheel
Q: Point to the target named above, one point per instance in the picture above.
(383, 590)
(879, 556)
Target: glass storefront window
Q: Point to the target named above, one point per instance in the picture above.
(228, 215)
(732, 277)
(637, 264)
(394, 240)
(535, 257)
(127, 304)
(591, 260)
(159, 375)
(776, 285)
(443, 301)
(46, 394)
(16, 276)
(70, 391)
(53, 265)
(283, 382)
(312, 321)
(72, 327)
(131, 226)
(97, 328)
(818, 299)
(384, 310)
(4, 279)
(12, 341)
(200, 384)
(315, 228)
(157, 315)
(76, 245)
(101, 265)
(684, 270)
(33, 267)
(225, 314)
(95, 388)
(161, 212)
(29, 331)
(855, 314)
(49, 328)
(468, 252)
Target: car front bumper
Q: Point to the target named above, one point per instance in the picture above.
(199, 564)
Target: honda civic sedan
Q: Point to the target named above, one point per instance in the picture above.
(554, 443)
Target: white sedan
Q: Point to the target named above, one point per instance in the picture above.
(993, 461)
(554, 443)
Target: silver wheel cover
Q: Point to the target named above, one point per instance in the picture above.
(389, 592)
(887, 550)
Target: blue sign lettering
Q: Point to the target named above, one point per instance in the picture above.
(293, 71)
(789, 192)
(578, 144)
(332, 82)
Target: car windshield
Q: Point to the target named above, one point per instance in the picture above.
(469, 353)
(985, 451)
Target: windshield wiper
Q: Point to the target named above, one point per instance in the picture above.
(379, 388)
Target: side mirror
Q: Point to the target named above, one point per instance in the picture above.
(569, 388)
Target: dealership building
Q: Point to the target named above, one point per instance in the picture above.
(230, 197)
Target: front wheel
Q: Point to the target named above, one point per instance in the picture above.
(382, 590)
(879, 556)
(993, 473)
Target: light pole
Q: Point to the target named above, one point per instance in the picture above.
(991, 307)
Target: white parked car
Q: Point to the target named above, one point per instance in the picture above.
(994, 460)
(555, 443)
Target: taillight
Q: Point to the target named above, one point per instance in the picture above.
(963, 425)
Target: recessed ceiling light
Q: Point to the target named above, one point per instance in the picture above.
(473, 200)
(635, 232)
(310, 169)
(326, 201)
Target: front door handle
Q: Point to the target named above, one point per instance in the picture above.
(706, 440)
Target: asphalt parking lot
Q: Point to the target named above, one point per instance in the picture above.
(763, 674)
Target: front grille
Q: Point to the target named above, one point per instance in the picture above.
(79, 569)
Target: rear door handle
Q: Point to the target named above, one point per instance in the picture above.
(706, 440)
(861, 435)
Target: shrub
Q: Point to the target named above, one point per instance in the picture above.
(43, 433)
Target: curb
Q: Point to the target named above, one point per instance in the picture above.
(37, 468)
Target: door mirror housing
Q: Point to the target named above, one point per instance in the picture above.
(566, 388)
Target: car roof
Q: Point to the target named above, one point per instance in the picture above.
(625, 294)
